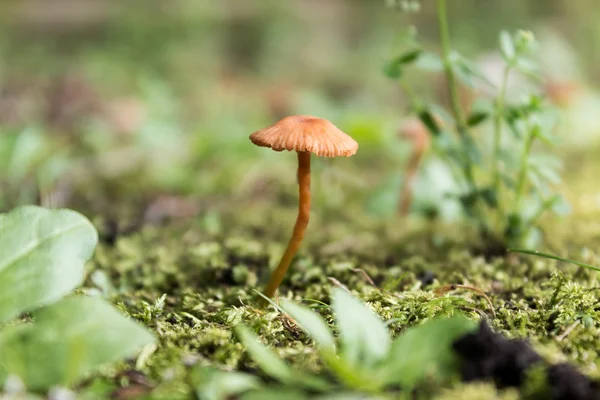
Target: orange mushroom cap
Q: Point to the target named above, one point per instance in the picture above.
(306, 133)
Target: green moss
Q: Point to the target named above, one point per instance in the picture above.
(191, 286)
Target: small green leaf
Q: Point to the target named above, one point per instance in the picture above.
(42, 255)
(394, 68)
(212, 384)
(490, 196)
(524, 41)
(467, 71)
(426, 352)
(515, 227)
(67, 341)
(311, 323)
(507, 46)
(561, 206)
(508, 180)
(472, 150)
(429, 62)
(529, 68)
(426, 116)
(543, 135)
(477, 117)
(364, 336)
(487, 194)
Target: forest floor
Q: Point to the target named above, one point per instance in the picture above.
(193, 280)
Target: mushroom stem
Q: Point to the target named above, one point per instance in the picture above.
(299, 228)
(406, 194)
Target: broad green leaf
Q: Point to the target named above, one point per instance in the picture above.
(42, 255)
(267, 361)
(311, 323)
(272, 365)
(507, 46)
(67, 341)
(349, 396)
(364, 337)
(212, 384)
(275, 394)
(426, 352)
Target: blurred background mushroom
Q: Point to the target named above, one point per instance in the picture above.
(416, 133)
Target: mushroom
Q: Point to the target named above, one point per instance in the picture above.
(304, 134)
(414, 131)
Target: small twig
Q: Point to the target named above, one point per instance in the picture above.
(254, 309)
(337, 283)
(477, 310)
(290, 323)
(567, 331)
(447, 288)
(365, 276)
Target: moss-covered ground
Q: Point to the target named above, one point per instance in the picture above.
(192, 280)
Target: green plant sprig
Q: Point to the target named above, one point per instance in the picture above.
(484, 192)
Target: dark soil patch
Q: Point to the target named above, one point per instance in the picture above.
(490, 356)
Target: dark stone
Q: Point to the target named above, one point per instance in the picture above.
(488, 355)
(426, 277)
(566, 383)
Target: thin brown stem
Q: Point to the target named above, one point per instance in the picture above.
(447, 288)
(299, 228)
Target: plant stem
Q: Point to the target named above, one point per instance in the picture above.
(300, 227)
(540, 254)
(413, 100)
(451, 79)
(461, 126)
(522, 177)
(498, 135)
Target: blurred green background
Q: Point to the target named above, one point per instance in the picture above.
(142, 109)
